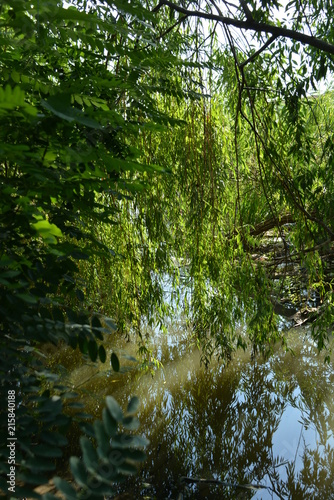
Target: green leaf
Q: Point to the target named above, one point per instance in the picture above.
(10, 274)
(38, 464)
(130, 423)
(114, 362)
(124, 441)
(128, 469)
(65, 488)
(76, 404)
(47, 230)
(29, 299)
(130, 358)
(83, 344)
(92, 350)
(134, 455)
(11, 99)
(60, 105)
(102, 439)
(79, 471)
(110, 424)
(96, 323)
(110, 323)
(114, 409)
(90, 457)
(51, 405)
(47, 451)
(102, 354)
(83, 416)
(54, 438)
(30, 477)
(133, 406)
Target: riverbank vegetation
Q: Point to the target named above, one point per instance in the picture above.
(146, 143)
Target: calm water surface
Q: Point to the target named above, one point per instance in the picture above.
(261, 422)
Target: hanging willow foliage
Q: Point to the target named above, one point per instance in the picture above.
(243, 209)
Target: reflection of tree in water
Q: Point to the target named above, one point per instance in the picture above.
(234, 431)
(219, 424)
(315, 381)
(315, 480)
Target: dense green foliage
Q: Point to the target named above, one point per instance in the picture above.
(138, 144)
(62, 145)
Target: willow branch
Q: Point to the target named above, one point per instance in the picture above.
(258, 52)
(248, 13)
(168, 30)
(252, 25)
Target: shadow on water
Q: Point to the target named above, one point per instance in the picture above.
(267, 422)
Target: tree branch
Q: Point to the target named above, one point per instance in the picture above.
(248, 13)
(268, 224)
(258, 52)
(252, 25)
(179, 21)
(191, 480)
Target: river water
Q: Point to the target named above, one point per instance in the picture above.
(268, 423)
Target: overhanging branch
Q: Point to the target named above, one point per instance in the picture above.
(258, 52)
(252, 25)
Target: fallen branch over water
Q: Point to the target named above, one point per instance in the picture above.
(267, 225)
(227, 484)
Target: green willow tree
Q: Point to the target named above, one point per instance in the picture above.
(246, 210)
(282, 140)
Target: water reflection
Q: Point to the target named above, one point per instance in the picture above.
(255, 421)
